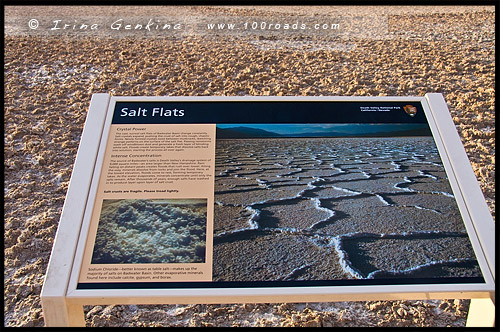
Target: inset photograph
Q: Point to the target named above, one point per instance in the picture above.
(330, 201)
(151, 231)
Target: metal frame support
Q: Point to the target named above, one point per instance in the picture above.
(61, 308)
(481, 313)
(58, 311)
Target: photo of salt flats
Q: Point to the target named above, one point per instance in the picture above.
(335, 208)
(151, 231)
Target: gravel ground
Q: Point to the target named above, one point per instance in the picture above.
(49, 81)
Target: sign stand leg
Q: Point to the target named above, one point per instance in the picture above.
(58, 312)
(75, 314)
(481, 313)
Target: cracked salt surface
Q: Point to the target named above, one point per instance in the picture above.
(342, 198)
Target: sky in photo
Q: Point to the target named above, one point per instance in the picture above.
(321, 128)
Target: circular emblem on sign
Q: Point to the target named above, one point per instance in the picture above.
(410, 110)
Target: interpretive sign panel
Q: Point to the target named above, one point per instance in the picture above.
(274, 193)
(268, 199)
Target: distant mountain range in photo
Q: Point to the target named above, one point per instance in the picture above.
(335, 130)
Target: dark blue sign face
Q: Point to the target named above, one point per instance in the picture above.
(282, 112)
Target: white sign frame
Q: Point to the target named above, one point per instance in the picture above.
(63, 303)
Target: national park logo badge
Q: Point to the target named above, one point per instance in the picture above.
(410, 110)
